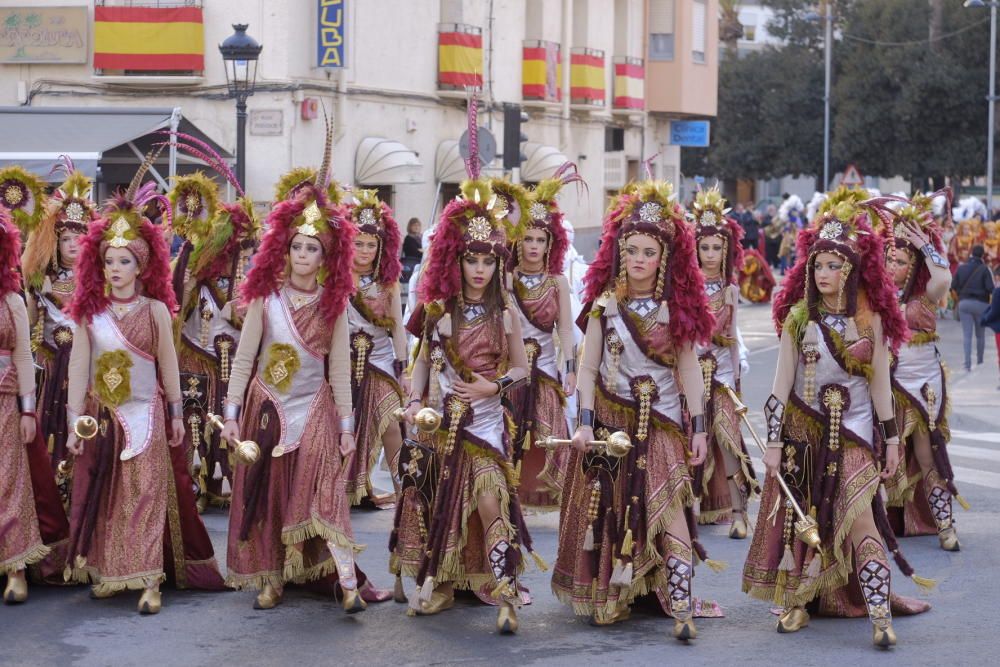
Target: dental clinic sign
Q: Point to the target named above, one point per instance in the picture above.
(331, 33)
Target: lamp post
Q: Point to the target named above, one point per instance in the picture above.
(239, 55)
(991, 99)
(827, 75)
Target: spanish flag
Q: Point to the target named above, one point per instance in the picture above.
(460, 59)
(149, 38)
(630, 78)
(586, 77)
(541, 71)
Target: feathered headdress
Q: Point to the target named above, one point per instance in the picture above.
(843, 227)
(123, 224)
(650, 208)
(306, 208)
(373, 216)
(194, 201)
(918, 212)
(10, 250)
(470, 223)
(22, 194)
(710, 217)
(69, 208)
(544, 213)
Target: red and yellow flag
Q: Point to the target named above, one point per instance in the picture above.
(149, 38)
(630, 78)
(460, 60)
(541, 71)
(586, 77)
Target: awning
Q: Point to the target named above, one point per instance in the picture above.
(449, 167)
(381, 161)
(35, 137)
(541, 162)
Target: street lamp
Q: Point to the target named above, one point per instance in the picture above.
(991, 99)
(828, 56)
(239, 54)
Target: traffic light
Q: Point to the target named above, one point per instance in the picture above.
(513, 137)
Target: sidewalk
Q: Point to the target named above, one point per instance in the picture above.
(975, 399)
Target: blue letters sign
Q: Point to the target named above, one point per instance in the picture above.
(331, 33)
(692, 133)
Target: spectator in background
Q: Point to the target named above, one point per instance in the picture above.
(974, 285)
(751, 230)
(991, 318)
(412, 249)
(772, 236)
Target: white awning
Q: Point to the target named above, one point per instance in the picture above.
(541, 162)
(449, 167)
(382, 161)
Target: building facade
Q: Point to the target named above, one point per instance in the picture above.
(600, 82)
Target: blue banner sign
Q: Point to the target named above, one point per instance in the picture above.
(691, 133)
(331, 33)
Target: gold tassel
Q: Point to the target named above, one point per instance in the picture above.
(616, 573)
(626, 579)
(627, 542)
(588, 538)
(427, 590)
(196, 461)
(539, 562)
(227, 489)
(217, 471)
(716, 565)
(779, 588)
(68, 573)
(526, 443)
(787, 563)
(924, 583)
(815, 566)
(963, 502)
(52, 443)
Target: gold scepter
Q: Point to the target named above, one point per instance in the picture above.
(85, 428)
(617, 445)
(427, 420)
(247, 451)
(806, 528)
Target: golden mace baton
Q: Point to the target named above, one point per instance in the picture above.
(806, 528)
(427, 420)
(617, 445)
(85, 428)
(247, 451)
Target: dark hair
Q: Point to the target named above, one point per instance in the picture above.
(493, 299)
(410, 224)
(977, 251)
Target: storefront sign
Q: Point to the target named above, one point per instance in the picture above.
(331, 33)
(43, 35)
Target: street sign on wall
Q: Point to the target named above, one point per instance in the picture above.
(43, 34)
(331, 33)
(691, 133)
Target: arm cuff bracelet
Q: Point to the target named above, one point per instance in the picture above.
(175, 409)
(506, 383)
(586, 417)
(397, 368)
(889, 429)
(698, 424)
(570, 366)
(231, 411)
(932, 254)
(347, 425)
(775, 444)
(28, 403)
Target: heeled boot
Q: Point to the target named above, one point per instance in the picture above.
(679, 586)
(499, 551)
(353, 603)
(875, 578)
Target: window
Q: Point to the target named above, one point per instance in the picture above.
(614, 139)
(661, 30)
(699, 26)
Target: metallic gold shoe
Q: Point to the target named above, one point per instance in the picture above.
(793, 620)
(268, 598)
(506, 618)
(353, 602)
(684, 629)
(738, 529)
(399, 592)
(16, 591)
(150, 603)
(96, 594)
(949, 539)
(883, 635)
(440, 601)
(617, 617)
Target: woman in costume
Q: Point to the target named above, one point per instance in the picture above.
(756, 279)
(33, 524)
(626, 528)
(838, 321)
(133, 519)
(219, 240)
(726, 481)
(921, 492)
(378, 342)
(542, 294)
(290, 391)
(48, 265)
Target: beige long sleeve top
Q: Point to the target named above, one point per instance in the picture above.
(338, 375)
(565, 325)
(166, 359)
(688, 370)
(939, 282)
(398, 331)
(21, 354)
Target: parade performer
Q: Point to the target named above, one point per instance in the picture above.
(922, 490)
(22, 194)
(838, 320)
(220, 238)
(33, 526)
(726, 481)
(378, 342)
(133, 518)
(968, 233)
(48, 264)
(290, 392)
(542, 294)
(991, 244)
(626, 527)
(756, 279)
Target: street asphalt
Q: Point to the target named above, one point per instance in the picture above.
(62, 626)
